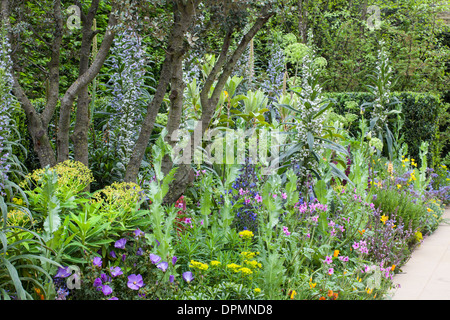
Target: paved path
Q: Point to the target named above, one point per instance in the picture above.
(426, 276)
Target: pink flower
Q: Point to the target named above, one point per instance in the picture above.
(330, 271)
(328, 259)
(247, 201)
(241, 191)
(355, 245)
(258, 198)
(315, 218)
(286, 231)
(284, 195)
(188, 220)
(274, 196)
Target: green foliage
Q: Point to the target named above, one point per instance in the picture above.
(420, 110)
(400, 203)
(22, 272)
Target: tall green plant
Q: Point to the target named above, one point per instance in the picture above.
(380, 86)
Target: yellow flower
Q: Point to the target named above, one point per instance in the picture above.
(198, 265)
(215, 263)
(399, 186)
(257, 290)
(252, 263)
(384, 218)
(246, 234)
(248, 254)
(17, 218)
(245, 271)
(419, 236)
(19, 202)
(292, 295)
(312, 285)
(233, 266)
(369, 291)
(429, 210)
(336, 253)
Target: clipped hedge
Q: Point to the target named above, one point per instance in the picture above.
(421, 114)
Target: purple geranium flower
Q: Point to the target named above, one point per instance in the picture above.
(116, 271)
(97, 282)
(120, 244)
(135, 282)
(105, 278)
(163, 266)
(106, 290)
(174, 260)
(97, 261)
(171, 278)
(63, 272)
(140, 252)
(154, 258)
(138, 233)
(124, 256)
(113, 254)
(113, 298)
(188, 276)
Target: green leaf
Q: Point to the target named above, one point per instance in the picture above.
(320, 189)
(15, 279)
(310, 139)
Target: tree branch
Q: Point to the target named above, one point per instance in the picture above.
(82, 81)
(53, 94)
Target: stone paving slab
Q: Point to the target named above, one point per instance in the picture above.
(426, 276)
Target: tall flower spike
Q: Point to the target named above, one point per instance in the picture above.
(6, 106)
(127, 90)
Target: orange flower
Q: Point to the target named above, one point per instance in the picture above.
(393, 267)
(362, 231)
(336, 253)
(322, 298)
(330, 293)
(335, 295)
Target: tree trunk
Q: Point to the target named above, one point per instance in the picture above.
(76, 88)
(183, 17)
(38, 131)
(184, 174)
(303, 20)
(38, 123)
(80, 134)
